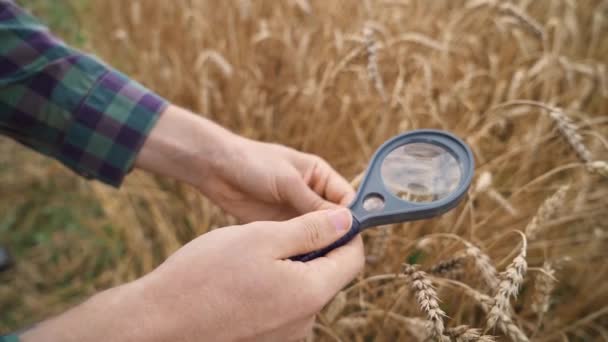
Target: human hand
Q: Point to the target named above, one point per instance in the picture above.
(244, 287)
(229, 284)
(263, 181)
(250, 180)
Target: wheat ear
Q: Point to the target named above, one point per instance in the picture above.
(568, 130)
(464, 333)
(544, 285)
(505, 324)
(599, 167)
(546, 212)
(372, 61)
(483, 264)
(449, 268)
(510, 281)
(426, 296)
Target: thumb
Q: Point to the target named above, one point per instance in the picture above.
(311, 232)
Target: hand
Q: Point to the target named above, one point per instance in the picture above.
(250, 180)
(230, 284)
(262, 181)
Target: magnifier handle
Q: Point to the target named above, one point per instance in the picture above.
(354, 230)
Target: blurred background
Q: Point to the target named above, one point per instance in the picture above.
(525, 83)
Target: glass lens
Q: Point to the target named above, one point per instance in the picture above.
(373, 202)
(421, 172)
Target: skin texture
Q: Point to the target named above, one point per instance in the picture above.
(234, 283)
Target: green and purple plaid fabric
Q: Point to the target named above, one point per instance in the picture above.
(69, 105)
(9, 338)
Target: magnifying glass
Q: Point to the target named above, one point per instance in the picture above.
(413, 176)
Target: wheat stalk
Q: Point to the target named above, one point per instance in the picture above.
(379, 243)
(335, 307)
(426, 296)
(484, 185)
(528, 22)
(352, 323)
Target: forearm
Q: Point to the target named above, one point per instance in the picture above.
(186, 147)
(120, 314)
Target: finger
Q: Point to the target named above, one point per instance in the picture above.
(339, 191)
(302, 197)
(310, 232)
(340, 266)
(335, 188)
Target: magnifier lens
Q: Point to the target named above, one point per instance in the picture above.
(421, 172)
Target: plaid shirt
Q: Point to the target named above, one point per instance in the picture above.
(69, 105)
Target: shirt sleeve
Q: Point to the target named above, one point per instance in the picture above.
(9, 338)
(69, 105)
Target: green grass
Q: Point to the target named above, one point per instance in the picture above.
(47, 231)
(60, 16)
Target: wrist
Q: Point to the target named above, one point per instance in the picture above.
(186, 147)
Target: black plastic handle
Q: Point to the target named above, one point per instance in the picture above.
(354, 230)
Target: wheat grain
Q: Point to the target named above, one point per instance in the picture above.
(426, 296)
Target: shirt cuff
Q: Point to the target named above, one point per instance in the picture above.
(109, 128)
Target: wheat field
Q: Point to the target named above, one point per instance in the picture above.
(524, 82)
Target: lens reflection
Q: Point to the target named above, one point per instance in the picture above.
(421, 172)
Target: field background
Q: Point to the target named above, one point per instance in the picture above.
(298, 72)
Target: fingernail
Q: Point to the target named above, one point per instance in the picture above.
(340, 218)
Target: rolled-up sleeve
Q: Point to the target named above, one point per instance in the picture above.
(67, 104)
